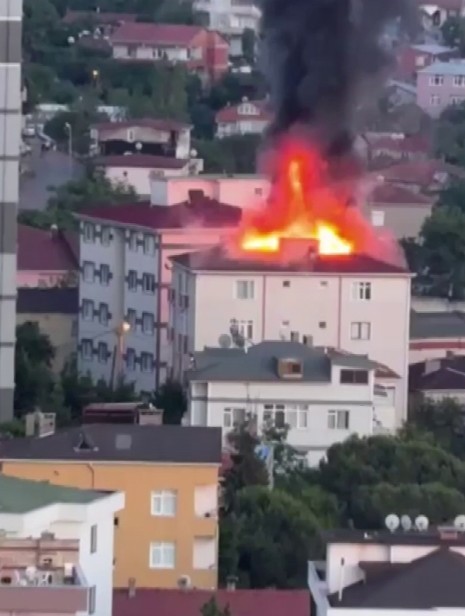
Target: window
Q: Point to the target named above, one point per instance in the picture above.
(338, 420)
(294, 336)
(92, 599)
(243, 328)
(103, 314)
(321, 325)
(420, 61)
(436, 80)
(133, 241)
(360, 330)
(88, 232)
(354, 377)
(102, 351)
(105, 237)
(361, 291)
(131, 319)
(163, 503)
(459, 81)
(88, 271)
(258, 191)
(132, 280)
(86, 349)
(105, 275)
(435, 100)
(149, 245)
(87, 310)
(286, 284)
(147, 323)
(456, 100)
(377, 218)
(162, 555)
(148, 283)
(245, 289)
(93, 539)
(130, 360)
(146, 362)
(281, 415)
(233, 417)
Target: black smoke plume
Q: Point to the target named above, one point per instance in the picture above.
(321, 56)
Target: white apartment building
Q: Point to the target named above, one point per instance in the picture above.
(353, 303)
(322, 396)
(77, 522)
(125, 277)
(415, 572)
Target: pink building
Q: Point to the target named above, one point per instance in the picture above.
(440, 85)
(416, 57)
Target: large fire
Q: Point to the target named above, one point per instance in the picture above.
(304, 203)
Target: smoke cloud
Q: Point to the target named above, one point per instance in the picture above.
(321, 56)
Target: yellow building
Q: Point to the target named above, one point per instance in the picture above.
(167, 534)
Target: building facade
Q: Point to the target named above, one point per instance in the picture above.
(169, 475)
(440, 85)
(416, 57)
(350, 299)
(11, 12)
(247, 118)
(320, 395)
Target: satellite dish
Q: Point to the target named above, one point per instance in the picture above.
(459, 523)
(422, 522)
(225, 341)
(392, 522)
(406, 522)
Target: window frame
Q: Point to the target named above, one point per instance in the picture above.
(229, 420)
(148, 331)
(334, 416)
(360, 330)
(161, 497)
(149, 244)
(148, 289)
(162, 546)
(354, 372)
(105, 236)
(130, 366)
(143, 356)
(89, 303)
(103, 310)
(93, 538)
(86, 343)
(132, 276)
(102, 352)
(88, 233)
(248, 286)
(105, 280)
(88, 265)
(362, 291)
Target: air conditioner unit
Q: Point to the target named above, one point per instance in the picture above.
(184, 581)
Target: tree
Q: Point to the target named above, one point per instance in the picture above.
(449, 135)
(211, 608)
(235, 154)
(249, 42)
(453, 33)
(171, 397)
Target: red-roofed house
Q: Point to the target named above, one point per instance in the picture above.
(46, 258)
(203, 51)
(161, 602)
(421, 176)
(412, 58)
(397, 147)
(249, 117)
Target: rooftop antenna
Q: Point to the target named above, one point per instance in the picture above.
(392, 522)
(406, 523)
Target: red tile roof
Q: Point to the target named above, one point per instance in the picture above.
(101, 18)
(39, 250)
(203, 212)
(157, 34)
(156, 123)
(142, 160)
(165, 602)
(420, 172)
(232, 113)
(390, 194)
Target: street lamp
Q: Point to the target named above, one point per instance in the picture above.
(121, 330)
(69, 130)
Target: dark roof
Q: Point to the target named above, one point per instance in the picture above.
(167, 602)
(54, 300)
(217, 259)
(40, 250)
(129, 443)
(202, 212)
(259, 363)
(446, 373)
(142, 160)
(432, 581)
(437, 325)
(21, 495)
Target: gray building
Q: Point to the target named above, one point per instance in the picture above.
(10, 131)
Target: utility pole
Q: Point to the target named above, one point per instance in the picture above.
(69, 130)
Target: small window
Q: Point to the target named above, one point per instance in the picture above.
(93, 539)
(354, 377)
(86, 349)
(130, 360)
(323, 283)
(338, 420)
(233, 417)
(87, 310)
(148, 283)
(162, 555)
(105, 236)
(294, 336)
(105, 275)
(146, 362)
(102, 351)
(243, 328)
(132, 280)
(131, 318)
(92, 599)
(149, 245)
(164, 503)
(361, 291)
(103, 314)
(88, 233)
(147, 323)
(245, 289)
(321, 325)
(436, 80)
(88, 271)
(377, 218)
(360, 330)
(133, 241)
(286, 284)
(258, 191)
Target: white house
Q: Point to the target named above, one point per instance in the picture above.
(323, 396)
(79, 526)
(246, 118)
(125, 277)
(353, 303)
(383, 573)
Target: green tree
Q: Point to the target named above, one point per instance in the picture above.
(41, 23)
(449, 135)
(235, 154)
(211, 608)
(453, 33)
(444, 420)
(249, 42)
(171, 397)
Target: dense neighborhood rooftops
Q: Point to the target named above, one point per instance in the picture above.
(218, 259)
(55, 300)
(128, 443)
(202, 212)
(432, 581)
(442, 374)
(431, 325)
(141, 161)
(42, 250)
(22, 496)
(171, 602)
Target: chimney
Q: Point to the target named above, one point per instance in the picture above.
(231, 582)
(431, 365)
(132, 587)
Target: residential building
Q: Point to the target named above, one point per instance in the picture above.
(322, 395)
(215, 293)
(415, 572)
(157, 137)
(122, 413)
(189, 602)
(246, 118)
(244, 190)
(57, 549)
(202, 51)
(10, 127)
(420, 176)
(136, 170)
(398, 210)
(397, 146)
(439, 378)
(169, 475)
(434, 335)
(56, 313)
(125, 278)
(440, 85)
(434, 14)
(47, 258)
(413, 58)
(401, 93)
